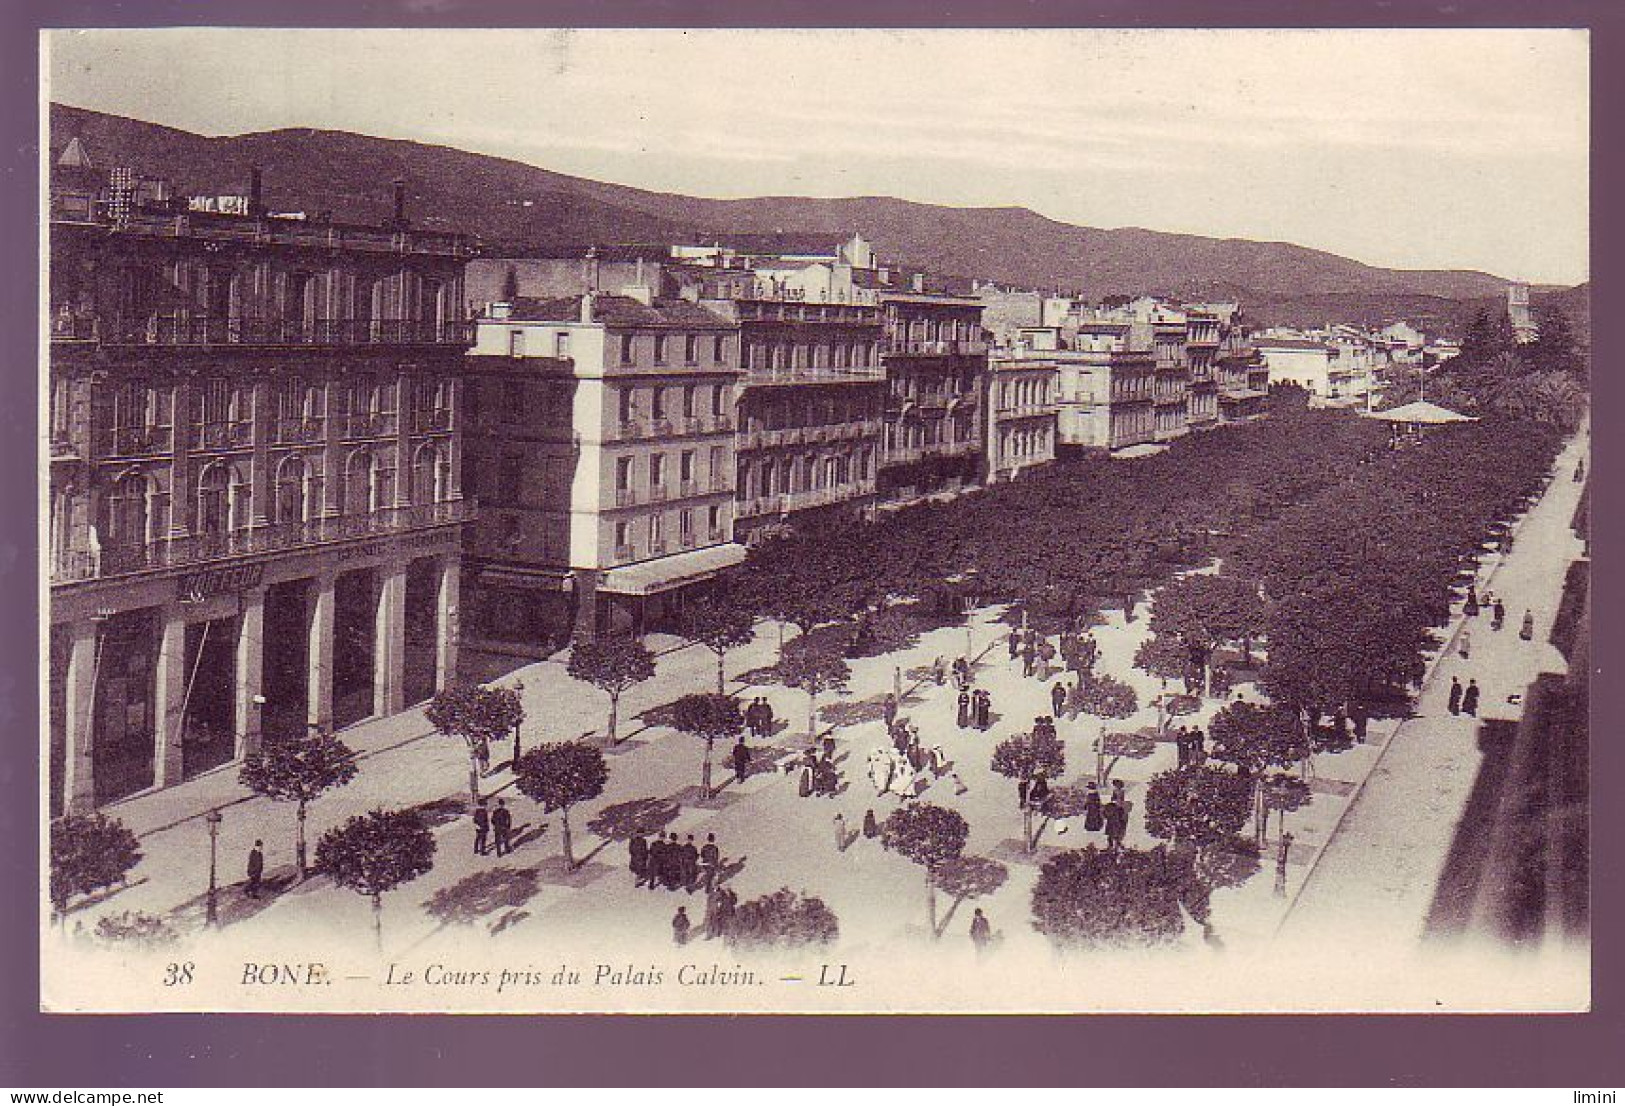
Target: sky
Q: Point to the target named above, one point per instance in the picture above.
(1406, 149)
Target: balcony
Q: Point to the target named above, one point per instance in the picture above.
(938, 348)
(715, 535)
(301, 431)
(657, 493)
(657, 549)
(687, 541)
(241, 331)
(687, 489)
(624, 553)
(786, 502)
(222, 435)
(625, 497)
(135, 441)
(115, 560)
(770, 377)
(431, 421)
(379, 425)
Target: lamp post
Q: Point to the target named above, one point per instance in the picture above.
(212, 916)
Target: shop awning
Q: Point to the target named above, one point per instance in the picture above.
(665, 573)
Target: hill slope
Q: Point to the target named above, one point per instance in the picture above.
(504, 201)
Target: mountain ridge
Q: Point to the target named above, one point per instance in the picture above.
(520, 206)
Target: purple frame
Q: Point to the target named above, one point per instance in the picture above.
(223, 1050)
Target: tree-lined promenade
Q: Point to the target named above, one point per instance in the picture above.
(1327, 565)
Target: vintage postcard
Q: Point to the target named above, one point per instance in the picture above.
(775, 521)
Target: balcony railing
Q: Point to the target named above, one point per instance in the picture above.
(114, 560)
(938, 348)
(222, 435)
(161, 330)
(427, 422)
(300, 431)
(657, 493)
(379, 425)
(625, 497)
(135, 441)
(785, 502)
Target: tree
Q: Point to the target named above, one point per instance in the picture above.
(560, 775)
(1254, 738)
(298, 771)
(1203, 611)
(1166, 658)
(376, 852)
(783, 919)
(1124, 898)
(88, 852)
(1554, 348)
(813, 667)
(1021, 758)
(1286, 794)
(612, 666)
(1197, 804)
(927, 835)
(477, 715)
(1105, 698)
(720, 623)
(1116, 746)
(709, 718)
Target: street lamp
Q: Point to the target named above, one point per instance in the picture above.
(212, 917)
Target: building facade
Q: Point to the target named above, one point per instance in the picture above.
(255, 468)
(936, 362)
(1104, 386)
(602, 439)
(1021, 410)
(1202, 341)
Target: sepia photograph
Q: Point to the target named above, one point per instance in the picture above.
(775, 521)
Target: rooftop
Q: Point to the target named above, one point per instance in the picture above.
(622, 312)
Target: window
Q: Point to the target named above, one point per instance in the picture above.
(688, 401)
(685, 525)
(627, 349)
(623, 537)
(657, 470)
(691, 349)
(127, 512)
(289, 504)
(660, 349)
(657, 531)
(716, 519)
(623, 474)
(516, 343)
(719, 396)
(561, 344)
(719, 349)
(658, 404)
(717, 461)
(629, 407)
(685, 467)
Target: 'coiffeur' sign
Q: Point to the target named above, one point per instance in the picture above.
(198, 586)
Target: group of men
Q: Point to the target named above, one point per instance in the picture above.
(759, 718)
(488, 822)
(975, 709)
(674, 865)
(721, 905)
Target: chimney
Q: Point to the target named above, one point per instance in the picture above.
(586, 306)
(255, 206)
(400, 202)
(589, 270)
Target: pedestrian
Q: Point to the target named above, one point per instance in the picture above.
(638, 858)
(1455, 695)
(680, 925)
(1093, 818)
(1118, 796)
(1182, 746)
(1579, 470)
(981, 934)
(482, 827)
(1359, 714)
(871, 828)
(984, 709)
(1199, 744)
(1115, 817)
(889, 706)
(1015, 644)
(1527, 630)
(1029, 658)
(939, 672)
(840, 832)
(768, 721)
(826, 780)
(741, 759)
(655, 862)
(672, 874)
(963, 716)
(1499, 617)
(1038, 793)
(256, 868)
(502, 826)
(804, 786)
(959, 784)
(829, 746)
(1464, 645)
(1469, 698)
(1471, 607)
(691, 865)
(482, 756)
(710, 862)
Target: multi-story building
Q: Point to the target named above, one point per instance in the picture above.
(602, 436)
(1244, 377)
(254, 476)
(1303, 362)
(1021, 410)
(1171, 377)
(1202, 342)
(810, 409)
(1104, 384)
(1524, 327)
(936, 362)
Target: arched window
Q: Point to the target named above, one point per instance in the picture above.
(290, 502)
(242, 497)
(127, 510)
(358, 484)
(214, 500)
(428, 485)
